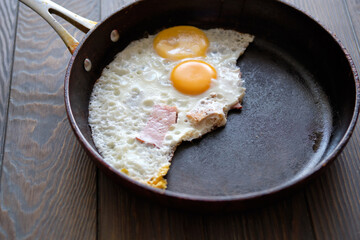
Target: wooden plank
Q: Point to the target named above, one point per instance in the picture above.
(125, 216)
(353, 8)
(286, 219)
(122, 215)
(8, 11)
(334, 198)
(48, 186)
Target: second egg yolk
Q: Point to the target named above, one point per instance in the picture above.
(192, 77)
(181, 42)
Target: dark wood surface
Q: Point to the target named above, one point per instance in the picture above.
(50, 189)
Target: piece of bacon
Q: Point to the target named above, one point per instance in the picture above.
(207, 108)
(199, 113)
(237, 106)
(161, 118)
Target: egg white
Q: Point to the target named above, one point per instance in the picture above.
(137, 79)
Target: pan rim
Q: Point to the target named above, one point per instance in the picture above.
(291, 184)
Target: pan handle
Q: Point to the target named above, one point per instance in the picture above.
(46, 7)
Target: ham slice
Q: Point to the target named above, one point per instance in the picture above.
(207, 114)
(206, 111)
(236, 106)
(161, 118)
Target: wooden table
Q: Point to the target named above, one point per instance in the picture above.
(50, 189)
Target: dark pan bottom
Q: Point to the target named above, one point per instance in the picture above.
(280, 134)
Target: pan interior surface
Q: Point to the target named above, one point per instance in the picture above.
(281, 133)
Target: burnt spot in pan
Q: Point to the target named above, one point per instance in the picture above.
(316, 137)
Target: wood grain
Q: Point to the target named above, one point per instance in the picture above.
(48, 185)
(334, 198)
(353, 8)
(8, 13)
(125, 216)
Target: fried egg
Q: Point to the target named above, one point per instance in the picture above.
(161, 90)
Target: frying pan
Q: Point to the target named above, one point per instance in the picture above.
(299, 111)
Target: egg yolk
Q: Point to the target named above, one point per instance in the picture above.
(181, 42)
(192, 77)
